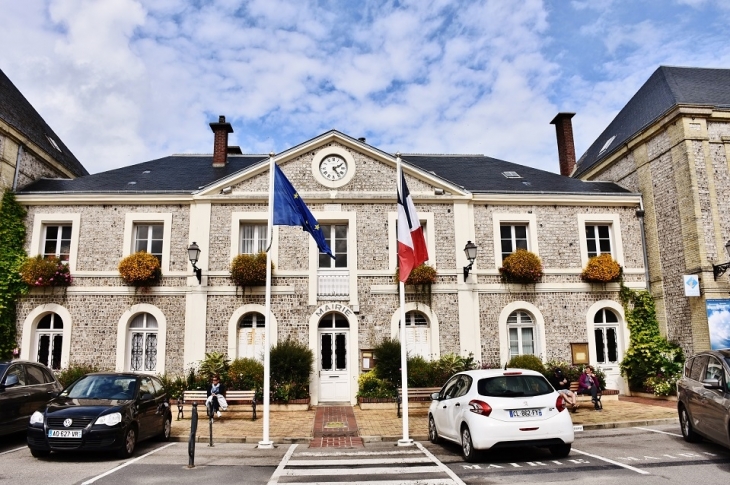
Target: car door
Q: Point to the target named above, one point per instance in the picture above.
(14, 404)
(695, 391)
(443, 409)
(460, 403)
(37, 388)
(713, 402)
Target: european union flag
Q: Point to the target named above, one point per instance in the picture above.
(290, 210)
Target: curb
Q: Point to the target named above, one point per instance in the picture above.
(630, 424)
(243, 439)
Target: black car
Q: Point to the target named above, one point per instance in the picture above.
(703, 397)
(102, 411)
(25, 387)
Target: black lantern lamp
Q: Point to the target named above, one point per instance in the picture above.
(471, 254)
(193, 254)
(719, 269)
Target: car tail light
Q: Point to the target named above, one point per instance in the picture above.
(560, 403)
(512, 373)
(480, 407)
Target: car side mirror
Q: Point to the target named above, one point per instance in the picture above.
(712, 384)
(10, 381)
(435, 396)
(146, 396)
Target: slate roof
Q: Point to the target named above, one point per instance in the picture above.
(666, 88)
(16, 111)
(190, 173)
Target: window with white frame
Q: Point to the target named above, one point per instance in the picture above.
(149, 237)
(253, 238)
(57, 241)
(417, 335)
(606, 335)
(251, 334)
(521, 330)
(513, 237)
(598, 239)
(142, 343)
(336, 237)
(49, 340)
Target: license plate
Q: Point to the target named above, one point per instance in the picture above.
(524, 413)
(64, 433)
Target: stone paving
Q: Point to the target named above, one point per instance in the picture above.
(383, 424)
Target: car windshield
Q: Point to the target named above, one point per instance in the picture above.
(3, 367)
(514, 386)
(102, 387)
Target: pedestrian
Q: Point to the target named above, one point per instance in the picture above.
(562, 385)
(589, 384)
(216, 400)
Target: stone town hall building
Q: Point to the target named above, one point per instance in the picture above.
(341, 308)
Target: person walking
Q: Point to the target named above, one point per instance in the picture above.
(216, 400)
(589, 384)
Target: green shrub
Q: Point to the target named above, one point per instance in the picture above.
(388, 361)
(74, 372)
(291, 366)
(214, 363)
(246, 374)
(371, 386)
(174, 385)
(531, 362)
(448, 365)
(420, 372)
(195, 381)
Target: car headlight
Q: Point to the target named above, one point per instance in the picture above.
(110, 419)
(36, 418)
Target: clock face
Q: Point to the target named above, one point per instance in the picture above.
(333, 167)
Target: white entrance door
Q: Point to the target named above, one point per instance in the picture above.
(334, 375)
(608, 347)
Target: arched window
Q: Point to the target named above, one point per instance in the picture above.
(417, 335)
(251, 335)
(521, 329)
(142, 343)
(49, 340)
(606, 333)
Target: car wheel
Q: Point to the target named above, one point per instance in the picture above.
(560, 451)
(130, 441)
(685, 423)
(467, 447)
(433, 434)
(39, 453)
(166, 429)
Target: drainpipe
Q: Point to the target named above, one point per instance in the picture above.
(17, 167)
(640, 215)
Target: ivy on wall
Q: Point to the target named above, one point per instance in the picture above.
(12, 255)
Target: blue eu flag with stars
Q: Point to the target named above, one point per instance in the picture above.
(290, 210)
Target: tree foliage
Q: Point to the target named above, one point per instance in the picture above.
(12, 238)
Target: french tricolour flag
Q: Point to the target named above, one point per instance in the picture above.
(411, 243)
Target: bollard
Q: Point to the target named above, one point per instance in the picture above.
(209, 409)
(193, 430)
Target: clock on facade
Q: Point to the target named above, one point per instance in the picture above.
(333, 167)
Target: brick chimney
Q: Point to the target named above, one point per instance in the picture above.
(566, 145)
(220, 141)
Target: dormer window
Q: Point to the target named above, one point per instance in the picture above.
(607, 144)
(511, 175)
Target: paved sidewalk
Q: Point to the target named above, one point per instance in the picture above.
(384, 425)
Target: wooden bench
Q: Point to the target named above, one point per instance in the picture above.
(416, 394)
(574, 386)
(232, 397)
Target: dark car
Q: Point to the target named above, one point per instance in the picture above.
(25, 387)
(703, 397)
(102, 411)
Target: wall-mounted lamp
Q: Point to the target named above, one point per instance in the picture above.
(193, 254)
(471, 254)
(719, 269)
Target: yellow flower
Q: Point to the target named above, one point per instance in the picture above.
(140, 269)
(602, 269)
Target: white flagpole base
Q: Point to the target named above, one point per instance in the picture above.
(266, 445)
(408, 442)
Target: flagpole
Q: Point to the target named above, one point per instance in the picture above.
(265, 441)
(405, 441)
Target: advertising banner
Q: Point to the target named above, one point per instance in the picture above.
(718, 320)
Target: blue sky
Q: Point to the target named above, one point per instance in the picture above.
(125, 81)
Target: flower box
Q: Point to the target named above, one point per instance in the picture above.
(521, 267)
(45, 272)
(602, 269)
(140, 269)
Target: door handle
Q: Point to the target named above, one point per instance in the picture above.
(457, 405)
(444, 407)
(334, 377)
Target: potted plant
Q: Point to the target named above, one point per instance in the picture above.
(249, 270)
(44, 272)
(521, 267)
(140, 269)
(602, 269)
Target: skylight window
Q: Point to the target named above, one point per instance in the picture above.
(146, 171)
(511, 175)
(529, 184)
(607, 144)
(53, 143)
(131, 183)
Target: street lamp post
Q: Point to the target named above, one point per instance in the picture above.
(194, 254)
(471, 254)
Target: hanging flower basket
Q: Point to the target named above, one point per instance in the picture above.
(249, 270)
(40, 272)
(522, 266)
(140, 269)
(420, 275)
(602, 269)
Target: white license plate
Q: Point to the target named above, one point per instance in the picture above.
(524, 413)
(64, 433)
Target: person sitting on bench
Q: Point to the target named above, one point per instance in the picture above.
(589, 384)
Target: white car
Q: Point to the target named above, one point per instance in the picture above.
(499, 408)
